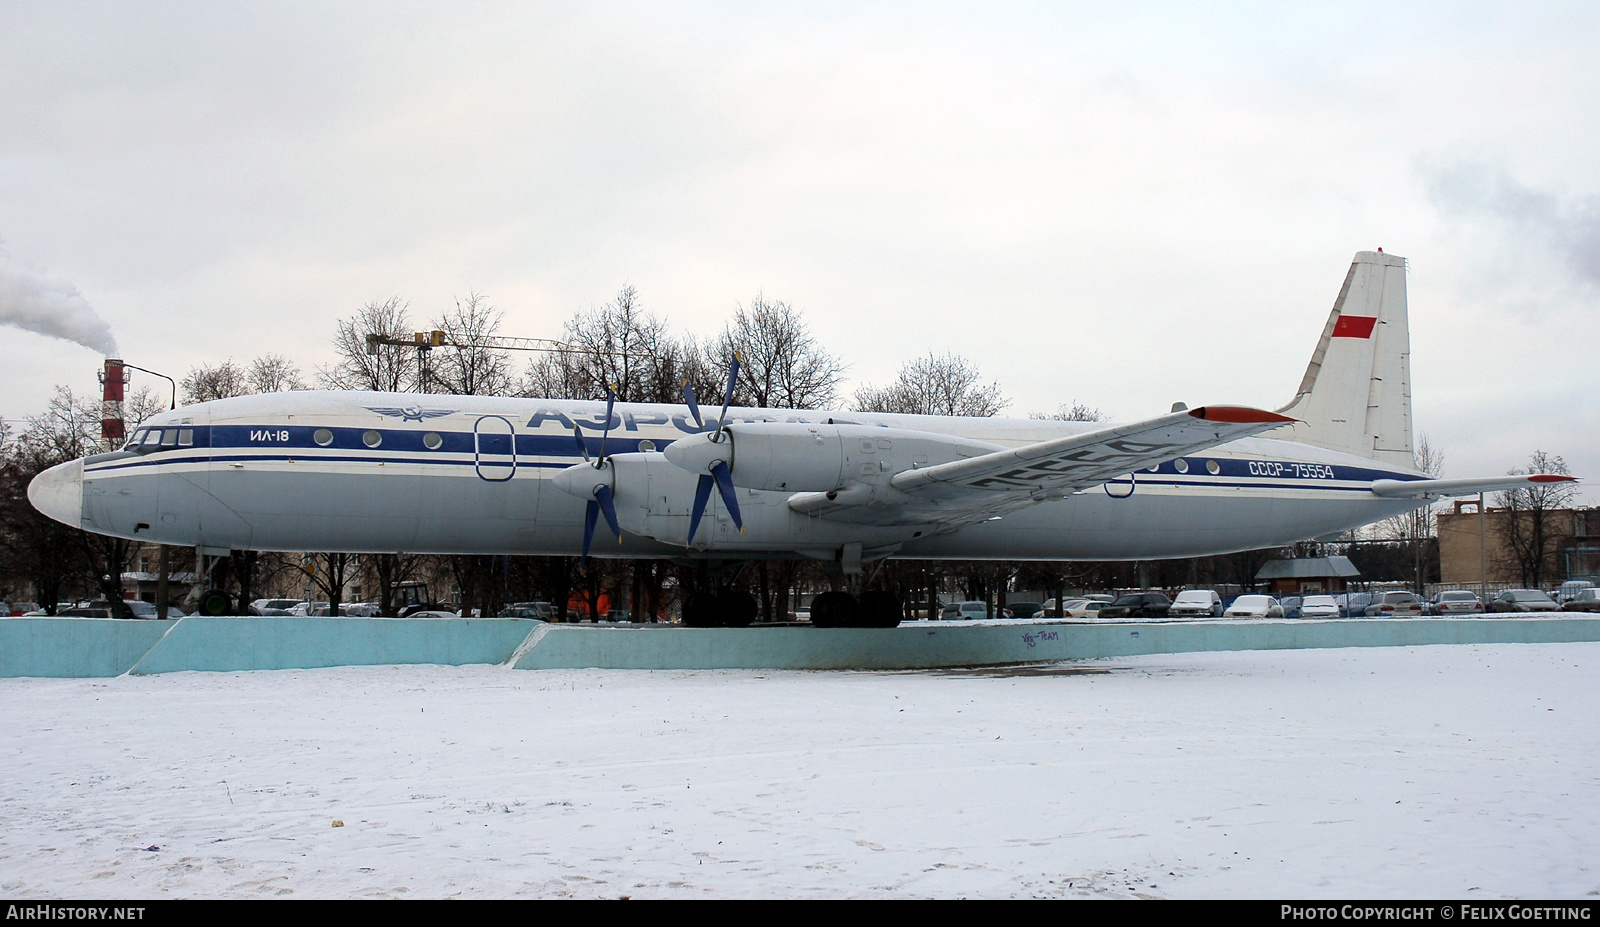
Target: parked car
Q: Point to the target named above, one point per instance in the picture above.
(143, 609)
(1318, 606)
(1569, 590)
(1587, 600)
(1254, 606)
(1078, 606)
(98, 608)
(1138, 605)
(1454, 602)
(1087, 608)
(541, 611)
(1395, 605)
(1196, 602)
(1025, 609)
(964, 611)
(22, 608)
(1354, 604)
(1523, 600)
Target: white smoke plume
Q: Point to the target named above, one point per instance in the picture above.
(46, 305)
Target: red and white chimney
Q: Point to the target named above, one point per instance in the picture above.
(114, 380)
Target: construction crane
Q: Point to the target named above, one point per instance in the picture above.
(427, 341)
(424, 341)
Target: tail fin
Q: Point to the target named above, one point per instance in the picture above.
(1356, 394)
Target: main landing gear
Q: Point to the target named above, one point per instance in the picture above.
(724, 608)
(875, 609)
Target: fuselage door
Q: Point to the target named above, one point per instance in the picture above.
(495, 448)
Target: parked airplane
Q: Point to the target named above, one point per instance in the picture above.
(384, 472)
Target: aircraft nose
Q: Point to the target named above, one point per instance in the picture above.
(58, 493)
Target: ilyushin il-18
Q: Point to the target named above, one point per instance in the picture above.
(387, 472)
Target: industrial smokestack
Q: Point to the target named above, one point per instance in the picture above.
(114, 380)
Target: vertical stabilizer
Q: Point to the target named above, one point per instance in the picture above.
(1356, 394)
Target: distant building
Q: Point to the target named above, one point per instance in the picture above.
(1479, 547)
(1308, 575)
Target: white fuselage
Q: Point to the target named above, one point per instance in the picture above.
(381, 472)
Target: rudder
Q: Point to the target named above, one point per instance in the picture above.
(1356, 394)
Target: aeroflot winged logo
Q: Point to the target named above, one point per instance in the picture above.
(1354, 326)
(410, 413)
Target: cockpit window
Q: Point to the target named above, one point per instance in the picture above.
(169, 437)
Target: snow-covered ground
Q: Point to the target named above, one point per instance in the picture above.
(1452, 771)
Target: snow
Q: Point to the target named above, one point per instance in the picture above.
(1450, 771)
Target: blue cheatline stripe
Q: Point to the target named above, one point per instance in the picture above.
(299, 437)
(527, 463)
(461, 449)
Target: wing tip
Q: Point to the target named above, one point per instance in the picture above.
(1551, 478)
(1239, 415)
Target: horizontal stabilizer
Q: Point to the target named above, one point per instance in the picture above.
(1422, 489)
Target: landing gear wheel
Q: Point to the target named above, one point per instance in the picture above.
(835, 610)
(879, 610)
(738, 609)
(214, 603)
(702, 610)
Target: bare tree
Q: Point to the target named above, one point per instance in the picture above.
(781, 365)
(273, 373)
(1530, 542)
(1076, 412)
(470, 365)
(54, 559)
(935, 385)
(622, 346)
(224, 381)
(388, 368)
(144, 403)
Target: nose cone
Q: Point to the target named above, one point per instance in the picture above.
(58, 493)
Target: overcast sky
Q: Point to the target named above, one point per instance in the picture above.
(1097, 205)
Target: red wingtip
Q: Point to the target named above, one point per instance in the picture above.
(1238, 415)
(1551, 478)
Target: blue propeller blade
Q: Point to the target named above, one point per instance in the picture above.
(602, 494)
(727, 397)
(729, 495)
(702, 495)
(694, 407)
(590, 516)
(611, 400)
(583, 446)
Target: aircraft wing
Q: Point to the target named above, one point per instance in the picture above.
(977, 488)
(1433, 489)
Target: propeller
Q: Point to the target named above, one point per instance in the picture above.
(601, 500)
(719, 473)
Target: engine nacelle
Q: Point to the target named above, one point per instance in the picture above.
(800, 457)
